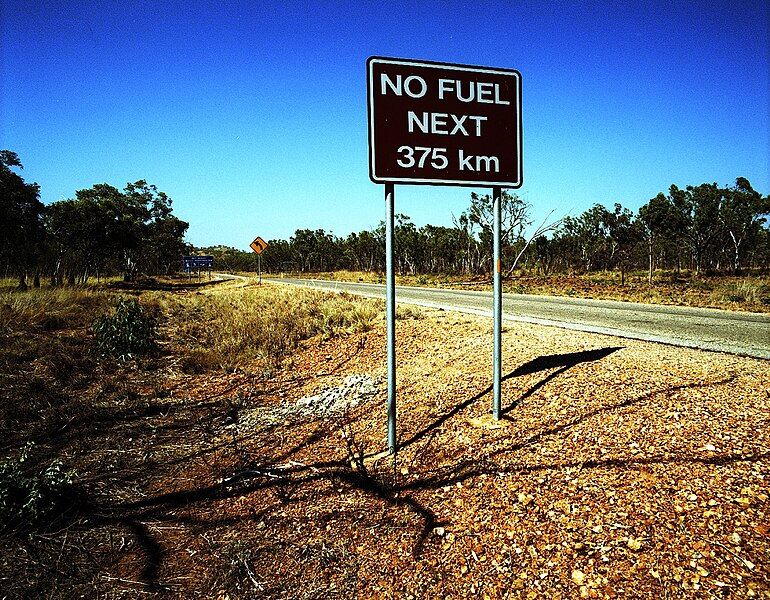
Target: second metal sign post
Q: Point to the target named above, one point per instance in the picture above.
(442, 124)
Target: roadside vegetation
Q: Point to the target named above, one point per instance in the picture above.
(749, 292)
(197, 464)
(235, 328)
(85, 370)
(702, 230)
(100, 233)
(165, 443)
(701, 245)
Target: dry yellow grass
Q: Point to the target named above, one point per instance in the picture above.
(50, 308)
(746, 293)
(231, 327)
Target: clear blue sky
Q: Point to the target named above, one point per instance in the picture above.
(252, 116)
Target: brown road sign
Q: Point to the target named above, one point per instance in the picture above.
(258, 245)
(444, 124)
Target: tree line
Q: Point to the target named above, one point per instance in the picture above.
(102, 231)
(698, 228)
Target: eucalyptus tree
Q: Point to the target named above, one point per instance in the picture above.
(104, 230)
(470, 255)
(443, 249)
(314, 250)
(742, 212)
(514, 219)
(583, 239)
(363, 251)
(658, 221)
(21, 217)
(699, 227)
(409, 246)
(623, 235)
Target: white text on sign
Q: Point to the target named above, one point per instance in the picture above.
(441, 123)
(415, 86)
(418, 155)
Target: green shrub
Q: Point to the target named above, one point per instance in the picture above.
(30, 497)
(127, 332)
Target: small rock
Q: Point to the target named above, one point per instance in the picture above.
(633, 544)
(578, 577)
(525, 499)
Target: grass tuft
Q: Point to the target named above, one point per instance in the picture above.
(743, 291)
(407, 312)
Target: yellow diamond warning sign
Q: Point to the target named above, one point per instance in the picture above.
(258, 245)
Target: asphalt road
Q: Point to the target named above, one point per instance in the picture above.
(747, 334)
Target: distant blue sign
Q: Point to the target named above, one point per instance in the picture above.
(195, 263)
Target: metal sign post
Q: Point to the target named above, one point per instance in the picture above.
(443, 124)
(259, 245)
(390, 314)
(497, 305)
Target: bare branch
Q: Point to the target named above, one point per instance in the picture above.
(542, 229)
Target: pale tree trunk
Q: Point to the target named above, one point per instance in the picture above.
(649, 276)
(736, 246)
(542, 229)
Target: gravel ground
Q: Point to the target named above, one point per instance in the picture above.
(330, 402)
(621, 469)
